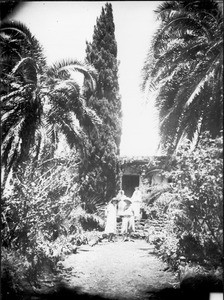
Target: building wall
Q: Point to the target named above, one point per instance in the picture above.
(139, 167)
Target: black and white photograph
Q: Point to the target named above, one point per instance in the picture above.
(111, 150)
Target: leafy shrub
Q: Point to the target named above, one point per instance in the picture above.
(42, 220)
(193, 207)
(39, 201)
(21, 272)
(38, 214)
(12, 268)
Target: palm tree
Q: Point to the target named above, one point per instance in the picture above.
(17, 42)
(185, 67)
(21, 64)
(35, 96)
(65, 109)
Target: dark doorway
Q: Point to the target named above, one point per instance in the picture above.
(129, 182)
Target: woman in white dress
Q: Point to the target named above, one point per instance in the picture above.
(111, 222)
(136, 202)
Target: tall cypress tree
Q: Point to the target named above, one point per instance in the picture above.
(102, 165)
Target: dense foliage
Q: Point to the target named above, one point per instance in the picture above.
(42, 220)
(42, 108)
(99, 173)
(192, 207)
(185, 68)
(37, 100)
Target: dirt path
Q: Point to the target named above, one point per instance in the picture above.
(119, 270)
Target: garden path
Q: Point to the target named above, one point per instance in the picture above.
(119, 270)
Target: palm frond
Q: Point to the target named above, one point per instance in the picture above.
(183, 67)
(68, 86)
(25, 42)
(12, 95)
(13, 135)
(75, 136)
(19, 28)
(66, 68)
(177, 54)
(166, 9)
(29, 85)
(87, 114)
(181, 25)
(6, 115)
(199, 86)
(27, 61)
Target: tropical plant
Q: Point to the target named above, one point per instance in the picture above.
(41, 106)
(193, 206)
(185, 68)
(21, 61)
(35, 96)
(38, 202)
(65, 108)
(42, 220)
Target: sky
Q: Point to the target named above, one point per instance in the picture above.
(62, 28)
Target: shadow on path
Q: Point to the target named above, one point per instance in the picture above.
(190, 289)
